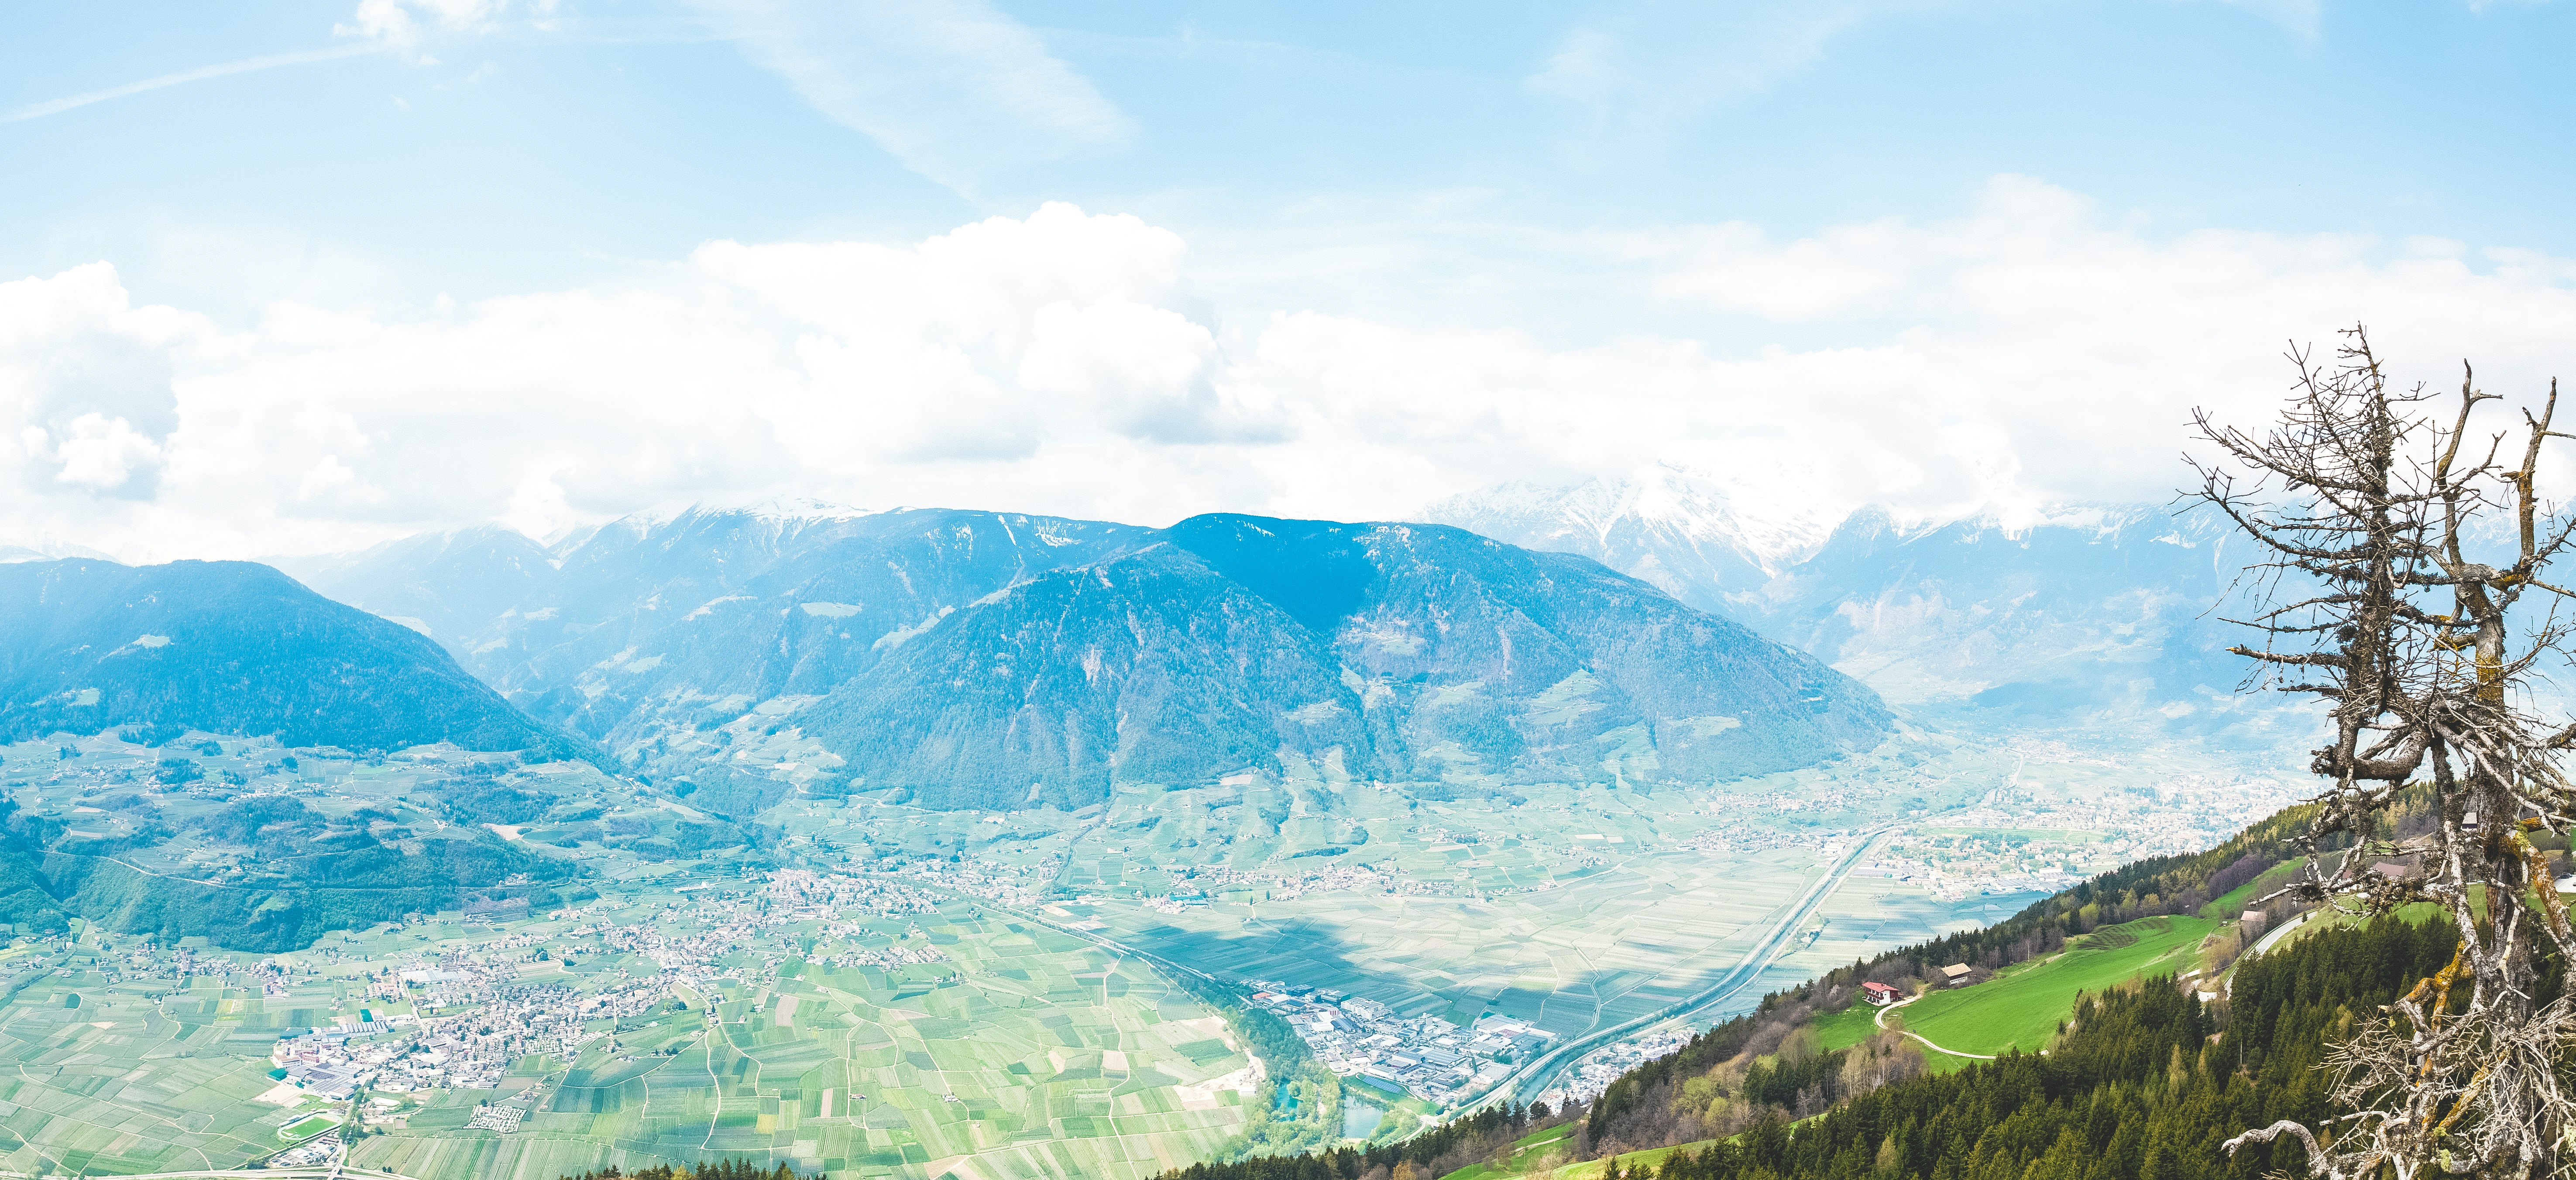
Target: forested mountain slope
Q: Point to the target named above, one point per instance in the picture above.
(978, 659)
(1383, 651)
(2148, 1083)
(232, 648)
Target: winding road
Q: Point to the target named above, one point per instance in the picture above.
(1881, 1021)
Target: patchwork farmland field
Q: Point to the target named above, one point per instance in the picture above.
(865, 988)
(1022, 1053)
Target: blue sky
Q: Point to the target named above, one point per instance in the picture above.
(1306, 258)
(528, 152)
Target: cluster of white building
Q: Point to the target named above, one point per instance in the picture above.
(999, 882)
(1424, 1055)
(808, 894)
(494, 1022)
(1605, 1065)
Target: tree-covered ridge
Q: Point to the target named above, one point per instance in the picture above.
(233, 648)
(307, 872)
(1442, 1149)
(1298, 1107)
(2147, 1083)
(2140, 889)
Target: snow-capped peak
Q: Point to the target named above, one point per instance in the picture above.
(774, 508)
(1766, 521)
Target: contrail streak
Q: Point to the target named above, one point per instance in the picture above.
(244, 66)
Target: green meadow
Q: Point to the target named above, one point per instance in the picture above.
(1539, 1156)
(2022, 1007)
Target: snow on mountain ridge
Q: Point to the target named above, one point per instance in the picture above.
(2019, 522)
(49, 550)
(1758, 521)
(776, 508)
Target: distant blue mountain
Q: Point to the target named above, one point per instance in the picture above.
(995, 659)
(236, 648)
(1387, 652)
(2095, 615)
(2085, 616)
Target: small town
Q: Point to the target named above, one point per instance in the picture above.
(1425, 1055)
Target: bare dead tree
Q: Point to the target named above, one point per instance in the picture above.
(2369, 512)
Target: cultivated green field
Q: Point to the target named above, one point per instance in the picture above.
(1027, 1053)
(1062, 1060)
(137, 1078)
(1020, 1050)
(2022, 1006)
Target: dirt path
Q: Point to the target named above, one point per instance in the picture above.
(1881, 1021)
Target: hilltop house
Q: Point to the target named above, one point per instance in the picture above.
(1879, 993)
(1955, 974)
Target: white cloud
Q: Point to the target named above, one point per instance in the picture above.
(2074, 348)
(98, 453)
(1062, 362)
(958, 91)
(86, 388)
(405, 23)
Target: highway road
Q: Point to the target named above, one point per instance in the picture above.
(1532, 1079)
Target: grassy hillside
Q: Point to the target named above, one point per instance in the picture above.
(2242, 898)
(1848, 1027)
(2142, 1086)
(2024, 1005)
(1530, 1153)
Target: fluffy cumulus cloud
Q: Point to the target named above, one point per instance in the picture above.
(2036, 348)
(1062, 362)
(86, 385)
(406, 22)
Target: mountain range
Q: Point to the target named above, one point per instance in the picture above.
(1664, 628)
(993, 659)
(2080, 616)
